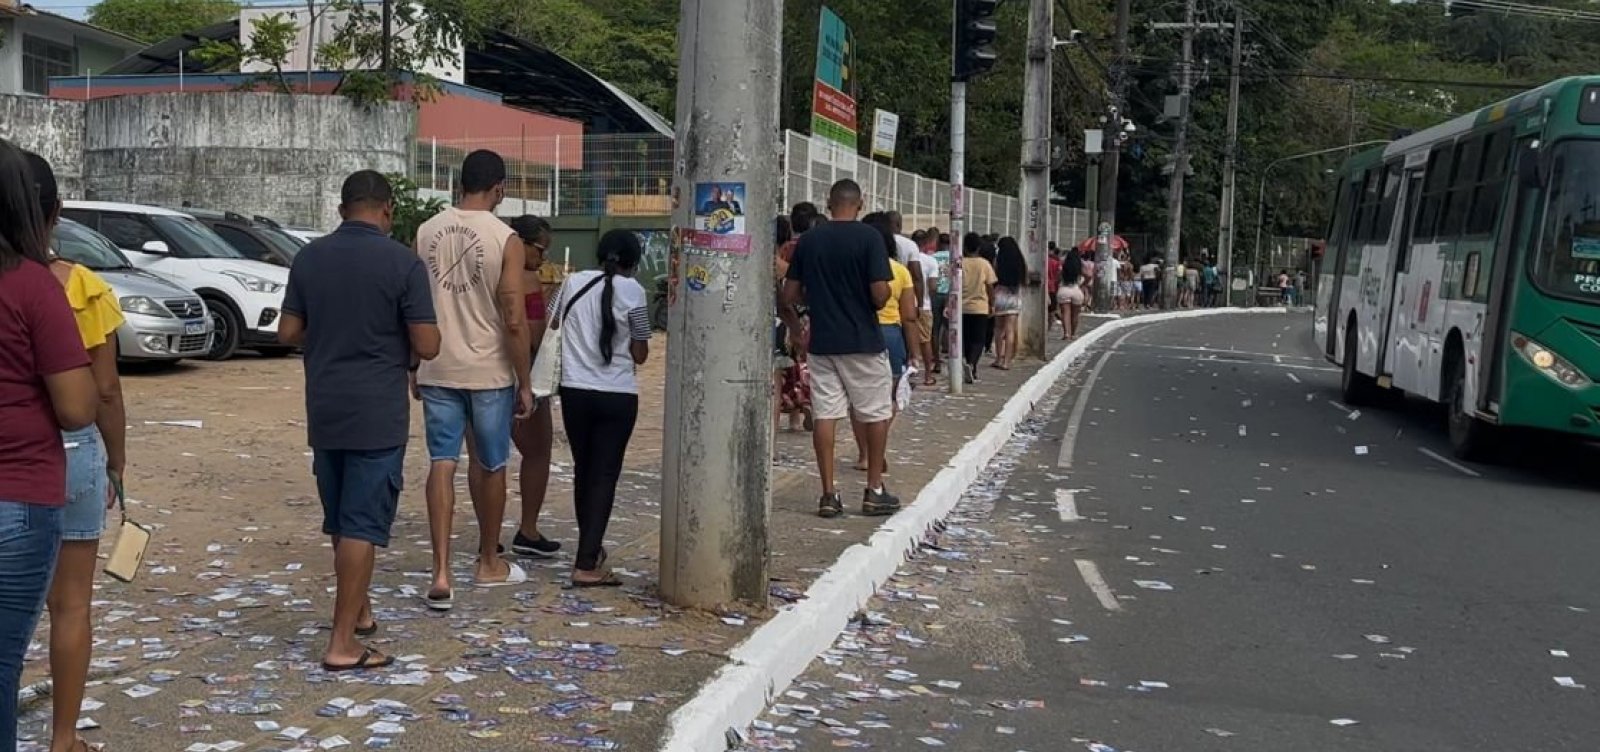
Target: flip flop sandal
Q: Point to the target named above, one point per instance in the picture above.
(610, 580)
(361, 663)
(440, 602)
(368, 630)
(516, 576)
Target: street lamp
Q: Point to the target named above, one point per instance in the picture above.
(1261, 196)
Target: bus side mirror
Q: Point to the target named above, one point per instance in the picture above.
(1530, 170)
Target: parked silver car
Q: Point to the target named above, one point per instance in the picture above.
(162, 321)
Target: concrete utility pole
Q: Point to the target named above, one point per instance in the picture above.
(1230, 159)
(1111, 164)
(717, 438)
(1036, 172)
(958, 230)
(1180, 160)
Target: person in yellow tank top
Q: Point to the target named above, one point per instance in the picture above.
(96, 456)
(898, 320)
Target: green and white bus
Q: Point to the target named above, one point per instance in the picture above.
(1463, 267)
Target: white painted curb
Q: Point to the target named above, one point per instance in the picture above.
(764, 665)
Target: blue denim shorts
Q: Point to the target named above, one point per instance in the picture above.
(895, 339)
(360, 491)
(84, 518)
(448, 413)
(30, 538)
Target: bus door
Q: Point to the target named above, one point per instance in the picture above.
(1344, 210)
(1410, 194)
(1512, 237)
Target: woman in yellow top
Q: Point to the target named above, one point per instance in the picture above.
(898, 321)
(95, 459)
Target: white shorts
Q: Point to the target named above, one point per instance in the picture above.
(842, 383)
(1069, 295)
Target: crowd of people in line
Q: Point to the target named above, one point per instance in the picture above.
(469, 323)
(456, 322)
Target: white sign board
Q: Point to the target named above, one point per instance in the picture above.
(885, 133)
(1093, 141)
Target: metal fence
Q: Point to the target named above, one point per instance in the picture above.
(813, 165)
(614, 175)
(631, 175)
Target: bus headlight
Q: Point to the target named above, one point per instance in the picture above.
(1547, 362)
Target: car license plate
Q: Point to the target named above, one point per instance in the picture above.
(194, 327)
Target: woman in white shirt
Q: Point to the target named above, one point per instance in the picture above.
(605, 332)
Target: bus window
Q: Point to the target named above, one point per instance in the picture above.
(1469, 279)
(1433, 186)
(1491, 190)
(1566, 261)
(1367, 189)
(1391, 192)
(1459, 200)
(1589, 106)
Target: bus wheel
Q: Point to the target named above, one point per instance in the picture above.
(1470, 438)
(1355, 387)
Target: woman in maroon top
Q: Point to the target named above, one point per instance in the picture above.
(45, 387)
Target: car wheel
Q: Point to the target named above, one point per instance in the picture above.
(1355, 387)
(1470, 438)
(225, 330)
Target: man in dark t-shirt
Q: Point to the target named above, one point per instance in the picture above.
(840, 272)
(359, 302)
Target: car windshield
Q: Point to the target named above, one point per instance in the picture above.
(81, 245)
(1567, 262)
(196, 240)
(282, 241)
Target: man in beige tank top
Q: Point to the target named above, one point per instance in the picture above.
(479, 382)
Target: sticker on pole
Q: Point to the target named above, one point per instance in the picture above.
(719, 220)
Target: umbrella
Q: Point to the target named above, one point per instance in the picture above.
(1118, 243)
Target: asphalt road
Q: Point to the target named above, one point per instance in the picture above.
(1281, 571)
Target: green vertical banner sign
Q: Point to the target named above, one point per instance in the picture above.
(833, 104)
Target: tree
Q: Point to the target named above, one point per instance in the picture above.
(410, 210)
(154, 20)
(271, 42)
(425, 34)
(632, 43)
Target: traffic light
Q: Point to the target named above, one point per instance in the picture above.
(1269, 218)
(974, 33)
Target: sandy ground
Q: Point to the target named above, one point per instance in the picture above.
(215, 646)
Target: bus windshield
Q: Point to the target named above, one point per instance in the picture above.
(1567, 261)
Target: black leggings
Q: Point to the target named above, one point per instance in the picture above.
(974, 327)
(598, 425)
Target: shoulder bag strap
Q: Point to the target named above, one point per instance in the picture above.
(568, 308)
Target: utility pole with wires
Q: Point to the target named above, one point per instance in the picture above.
(1180, 157)
(1230, 158)
(1113, 134)
(1180, 149)
(1034, 319)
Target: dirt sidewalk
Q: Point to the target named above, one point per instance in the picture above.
(216, 645)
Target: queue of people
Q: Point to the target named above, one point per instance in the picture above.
(62, 450)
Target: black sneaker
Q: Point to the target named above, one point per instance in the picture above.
(539, 548)
(879, 503)
(830, 506)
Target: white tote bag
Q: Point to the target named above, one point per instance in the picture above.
(545, 380)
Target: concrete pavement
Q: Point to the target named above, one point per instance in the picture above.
(1224, 558)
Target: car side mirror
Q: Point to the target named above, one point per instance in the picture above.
(157, 247)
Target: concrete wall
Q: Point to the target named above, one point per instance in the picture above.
(283, 156)
(53, 129)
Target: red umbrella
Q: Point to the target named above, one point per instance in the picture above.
(1118, 243)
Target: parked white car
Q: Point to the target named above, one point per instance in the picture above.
(244, 298)
(160, 320)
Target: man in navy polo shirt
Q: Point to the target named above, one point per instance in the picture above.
(359, 303)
